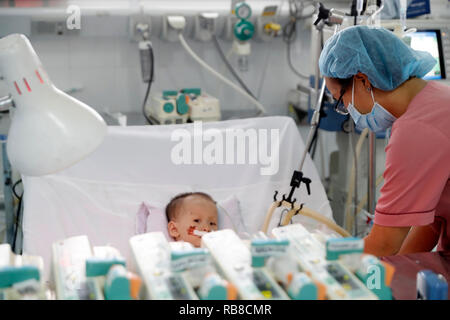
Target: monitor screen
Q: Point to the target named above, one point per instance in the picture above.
(429, 41)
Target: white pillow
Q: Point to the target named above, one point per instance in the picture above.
(152, 217)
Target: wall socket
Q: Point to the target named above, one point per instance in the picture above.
(205, 26)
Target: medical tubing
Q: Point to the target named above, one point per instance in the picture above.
(269, 52)
(373, 15)
(218, 75)
(289, 34)
(222, 70)
(354, 171)
(269, 214)
(363, 201)
(359, 145)
(307, 212)
(230, 67)
(291, 66)
(355, 181)
(149, 84)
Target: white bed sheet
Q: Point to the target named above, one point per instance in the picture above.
(100, 195)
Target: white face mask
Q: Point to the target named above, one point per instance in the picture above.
(378, 120)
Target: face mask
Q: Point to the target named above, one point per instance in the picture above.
(378, 120)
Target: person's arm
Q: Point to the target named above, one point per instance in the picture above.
(385, 241)
(420, 239)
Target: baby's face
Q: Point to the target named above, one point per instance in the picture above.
(197, 213)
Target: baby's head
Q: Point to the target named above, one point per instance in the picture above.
(188, 212)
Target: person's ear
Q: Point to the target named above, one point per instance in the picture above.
(364, 79)
(173, 230)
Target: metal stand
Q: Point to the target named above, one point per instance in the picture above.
(330, 18)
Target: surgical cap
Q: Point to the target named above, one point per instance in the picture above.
(376, 52)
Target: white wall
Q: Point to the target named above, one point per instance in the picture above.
(104, 62)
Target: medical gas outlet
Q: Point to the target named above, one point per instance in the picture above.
(243, 31)
(266, 27)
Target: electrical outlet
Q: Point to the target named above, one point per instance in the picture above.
(170, 34)
(205, 26)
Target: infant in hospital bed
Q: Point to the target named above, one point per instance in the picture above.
(190, 215)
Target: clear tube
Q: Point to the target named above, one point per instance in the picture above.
(359, 6)
(403, 5)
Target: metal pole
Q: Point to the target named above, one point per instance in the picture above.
(371, 180)
(318, 97)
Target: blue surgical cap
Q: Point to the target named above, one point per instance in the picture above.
(378, 53)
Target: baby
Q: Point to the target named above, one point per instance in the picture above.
(190, 215)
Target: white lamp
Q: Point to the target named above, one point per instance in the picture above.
(50, 130)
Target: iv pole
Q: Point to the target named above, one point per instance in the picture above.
(325, 17)
(335, 18)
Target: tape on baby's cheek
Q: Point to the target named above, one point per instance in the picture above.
(190, 231)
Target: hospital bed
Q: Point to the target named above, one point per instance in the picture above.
(101, 195)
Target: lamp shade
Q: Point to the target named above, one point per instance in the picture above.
(49, 130)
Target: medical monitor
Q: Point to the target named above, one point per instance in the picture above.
(431, 42)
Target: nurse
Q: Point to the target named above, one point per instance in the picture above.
(376, 78)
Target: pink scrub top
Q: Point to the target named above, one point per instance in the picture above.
(416, 190)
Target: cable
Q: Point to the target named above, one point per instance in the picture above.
(291, 66)
(265, 66)
(18, 224)
(150, 48)
(230, 68)
(218, 75)
(223, 69)
(18, 215)
(14, 188)
(290, 32)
